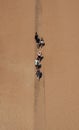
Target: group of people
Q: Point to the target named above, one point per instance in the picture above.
(39, 43)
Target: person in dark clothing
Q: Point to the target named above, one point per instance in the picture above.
(39, 74)
(36, 36)
(38, 66)
(37, 39)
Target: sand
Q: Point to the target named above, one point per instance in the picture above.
(52, 103)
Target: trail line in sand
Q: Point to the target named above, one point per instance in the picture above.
(39, 86)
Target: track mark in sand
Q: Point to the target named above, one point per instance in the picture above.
(39, 86)
(38, 14)
(39, 106)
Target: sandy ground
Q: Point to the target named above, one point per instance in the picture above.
(21, 105)
(16, 65)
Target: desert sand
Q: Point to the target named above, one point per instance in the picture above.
(53, 102)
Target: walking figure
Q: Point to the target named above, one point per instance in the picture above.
(42, 43)
(38, 74)
(36, 36)
(37, 39)
(37, 64)
(39, 56)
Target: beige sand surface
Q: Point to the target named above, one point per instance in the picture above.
(61, 32)
(59, 24)
(16, 64)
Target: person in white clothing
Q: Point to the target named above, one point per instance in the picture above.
(42, 43)
(39, 56)
(37, 64)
